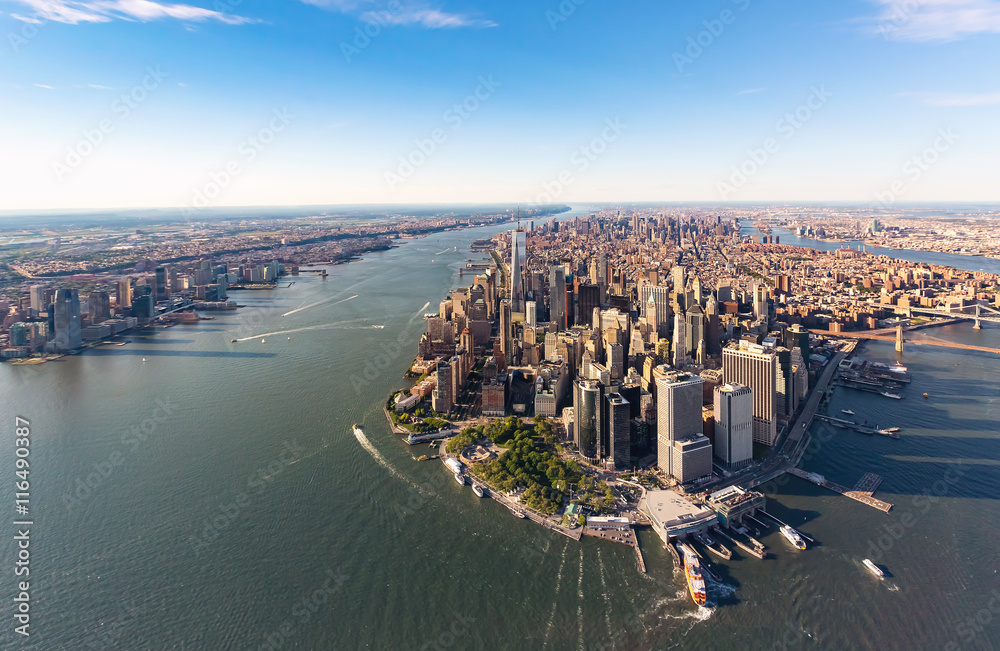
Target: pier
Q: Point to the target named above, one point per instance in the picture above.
(843, 423)
(861, 496)
(638, 555)
(753, 551)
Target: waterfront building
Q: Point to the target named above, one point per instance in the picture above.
(678, 400)
(441, 399)
(99, 306)
(617, 431)
(587, 403)
(673, 516)
(733, 412)
(124, 293)
(68, 328)
(752, 366)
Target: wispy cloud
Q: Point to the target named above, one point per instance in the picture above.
(750, 91)
(937, 20)
(74, 12)
(402, 13)
(99, 87)
(45, 86)
(958, 99)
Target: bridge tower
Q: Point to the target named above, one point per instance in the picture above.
(979, 323)
(899, 339)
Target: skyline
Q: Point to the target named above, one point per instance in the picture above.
(139, 104)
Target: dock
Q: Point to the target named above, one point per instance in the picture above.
(862, 496)
(843, 423)
(753, 551)
(638, 555)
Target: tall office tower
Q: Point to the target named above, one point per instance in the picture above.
(68, 329)
(530, 314)
(441, 397)
(614, 356)
(752, 366)
(696, 287)
(222, 293)
(725, 291)
(557, 297)
(590, 299)
(712, 335)
(785, 382)
(516, 287)
(162, 284)
(505, 334)
(37, 296)
(678, 412)
(695, 327)
(99, 307)
(733, 425)
(760, 301)
(798, 337)
(680, 341)
(587, 397)
(655, 302)
(617, 430)
(680, 279)
(801, 372)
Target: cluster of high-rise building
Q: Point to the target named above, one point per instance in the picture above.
(639, 334)
(50, 319)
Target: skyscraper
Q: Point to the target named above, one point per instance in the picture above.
(99, 306)
(530, 314)
(682, 451)
(618, 430)
(68, 329)
(752, 366)
(162, 284)
(695, 327)
(557, 296)
(680, 341)
(516, 286)
(124, 292)
(587, 398)
(733, 425)
(37, 297)
(441, 398)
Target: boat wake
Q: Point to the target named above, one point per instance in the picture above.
(607, 599)
(555, 604)
(311, 305)
(382, 461)
(323, 326)
(579, 607)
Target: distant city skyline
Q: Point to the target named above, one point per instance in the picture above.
(132, 104)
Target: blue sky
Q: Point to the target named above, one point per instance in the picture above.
(131, 103)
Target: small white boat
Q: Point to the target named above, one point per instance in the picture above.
(460, 478)
(873, 568)
(847, 411)
(478, 490)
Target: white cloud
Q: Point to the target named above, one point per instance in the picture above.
(45, 86)
(750, 91)
(401, 13)
(937, 20)
(961, 99)
(74, 12)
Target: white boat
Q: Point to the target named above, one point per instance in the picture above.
(478, 490)
(873, 568)
(460, 478)
(793, 536)
(892, 395)
(378, 327)
(847, 411)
